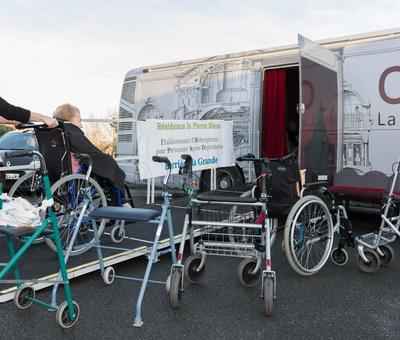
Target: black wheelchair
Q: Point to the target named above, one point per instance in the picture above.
(68, 188)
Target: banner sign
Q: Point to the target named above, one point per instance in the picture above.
(209, 142)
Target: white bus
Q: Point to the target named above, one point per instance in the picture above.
(339, 99)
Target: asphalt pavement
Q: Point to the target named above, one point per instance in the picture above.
(336, 303)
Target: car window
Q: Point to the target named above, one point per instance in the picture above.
(18, 141)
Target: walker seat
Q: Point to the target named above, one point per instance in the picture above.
(126, 214)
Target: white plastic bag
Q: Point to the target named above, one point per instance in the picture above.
(18, 212)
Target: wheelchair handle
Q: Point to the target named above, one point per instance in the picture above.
(165, 160)
(248, 158)
(31, 125)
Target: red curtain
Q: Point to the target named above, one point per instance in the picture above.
(274, 101)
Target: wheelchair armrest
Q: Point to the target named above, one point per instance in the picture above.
(315, 185)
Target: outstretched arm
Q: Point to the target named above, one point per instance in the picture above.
(49, 121)
(12, 113)
(6, 121)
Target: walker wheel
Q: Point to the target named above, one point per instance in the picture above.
(175, 292)
(388, 255)
(23, 296)
(109, 275)
(339, 257)
(268, 296)
(191, 265)
(246, 267)
(63, 318)
(374, 262)
(168, 284)
(117, 234)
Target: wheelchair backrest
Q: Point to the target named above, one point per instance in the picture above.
(53, 145)
(282, 184)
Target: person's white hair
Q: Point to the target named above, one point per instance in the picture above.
(66, 112)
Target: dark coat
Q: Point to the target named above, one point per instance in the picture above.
(103, 165)
(11, 112)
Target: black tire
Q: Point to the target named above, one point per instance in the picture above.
(268, 296)
(175, 293)
(246, 267)
(339, 258)
(23, 296)
(191, 264)
(228, 178)
(374, 262)
(109, 275)
(117, 234)
(62, 316)
(388, 255)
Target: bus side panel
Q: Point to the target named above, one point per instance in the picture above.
(371, 95)
(228, 90)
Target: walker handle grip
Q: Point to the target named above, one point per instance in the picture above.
(165, 160)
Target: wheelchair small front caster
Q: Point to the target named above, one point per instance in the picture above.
(339, 257)
(373, 263)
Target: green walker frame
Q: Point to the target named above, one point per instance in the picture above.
(67, 311)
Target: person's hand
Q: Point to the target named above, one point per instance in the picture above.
(51, 122)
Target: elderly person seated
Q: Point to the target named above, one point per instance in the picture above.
(103, 165)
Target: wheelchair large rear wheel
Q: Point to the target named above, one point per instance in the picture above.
(308, 235)
(70, 194)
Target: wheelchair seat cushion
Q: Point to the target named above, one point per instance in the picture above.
(279, 209)
(127, 214)
(22, 231)
(224, 196)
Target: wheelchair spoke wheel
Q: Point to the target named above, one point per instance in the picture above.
(30, 187)
(71, 193)
(308, 235)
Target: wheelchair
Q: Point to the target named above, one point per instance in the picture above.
(67, 312)
(246, 227)
(67, 188)
(315, 218)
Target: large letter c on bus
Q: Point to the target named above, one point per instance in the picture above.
(382, 80)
